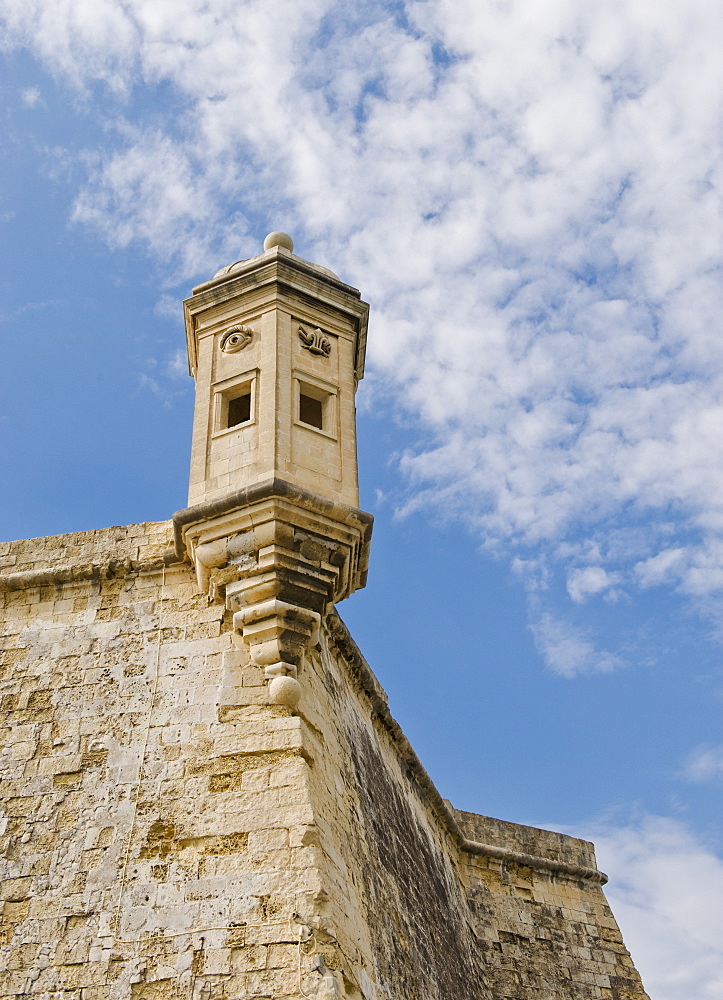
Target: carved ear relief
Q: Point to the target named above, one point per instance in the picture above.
(236, 339)
(315, 341)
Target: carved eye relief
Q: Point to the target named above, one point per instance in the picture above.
(236, 339)
(315, 341)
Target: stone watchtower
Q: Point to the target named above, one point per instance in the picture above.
(276, 346)
(204, 794)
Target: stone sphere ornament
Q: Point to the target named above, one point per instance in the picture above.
(285, 691)
(278, 239)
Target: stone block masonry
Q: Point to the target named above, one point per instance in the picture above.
(148, 847)
(166, 832)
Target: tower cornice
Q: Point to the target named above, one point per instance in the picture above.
(272, 272)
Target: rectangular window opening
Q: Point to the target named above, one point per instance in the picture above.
(311, 411)
(239, 410)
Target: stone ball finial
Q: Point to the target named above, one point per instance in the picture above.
(278, 239)
(285, 691)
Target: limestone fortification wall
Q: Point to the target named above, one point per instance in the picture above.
(168, 833)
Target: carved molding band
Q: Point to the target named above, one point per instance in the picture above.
(315, 341)
(278, 556)
(235, 339)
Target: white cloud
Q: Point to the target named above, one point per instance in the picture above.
(167, 306)
(661, 568)
(177, 366)
(31, 97)
(704, 764)
(665, 890)
(588, 581)
(531, 196)
(166, 378)
(568, 649)
(152, 193)
(534, 573)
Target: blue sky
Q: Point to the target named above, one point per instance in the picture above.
(530, 197)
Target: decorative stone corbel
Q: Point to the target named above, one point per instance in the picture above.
(278, 635)
(278, 556)
(210, 555)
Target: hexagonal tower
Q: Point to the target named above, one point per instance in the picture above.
(276, 345)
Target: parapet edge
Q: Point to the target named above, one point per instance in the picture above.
(514, 843)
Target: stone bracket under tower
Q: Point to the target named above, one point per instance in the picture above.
(279, 556)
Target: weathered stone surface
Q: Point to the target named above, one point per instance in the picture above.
(160, 840)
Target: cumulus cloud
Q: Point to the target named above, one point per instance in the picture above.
(568, 649)
(661, 568)
(530, 194)
(177, 366)
(588, 581)
(166, 378)
(665, 890)
(704, 764)
(31, 97)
